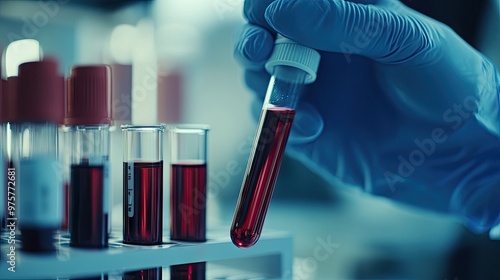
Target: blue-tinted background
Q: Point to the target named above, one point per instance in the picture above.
(192, 39)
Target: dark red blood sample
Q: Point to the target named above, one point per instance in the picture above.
(88, 222)
(192, 271)
(100, 277)
(37, 240)
(261, 175)
(188, 201)
(144, 274)
(143, 203)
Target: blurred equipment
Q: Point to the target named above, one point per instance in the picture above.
(104, 4)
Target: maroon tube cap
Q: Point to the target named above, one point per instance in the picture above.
(10, 96)
(40, 93)
(89, 89)
(3, 89)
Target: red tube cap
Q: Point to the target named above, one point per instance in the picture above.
(89, 89)
(40, 93)
(10, 96)
(3, 89)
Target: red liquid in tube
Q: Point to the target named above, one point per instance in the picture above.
(261, 177)
(192, 271)
(143, 193)
(144, 274)
(188, 202)
(88, 227)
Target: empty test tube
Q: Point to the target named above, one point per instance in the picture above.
(291, 66)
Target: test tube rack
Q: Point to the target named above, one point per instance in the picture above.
(270, 258)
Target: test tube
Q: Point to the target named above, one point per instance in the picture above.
(3, 182)
(144, 274)
(291, 67)
(191, 271)
(41, 93)
(65, 157)
(188, 182)
(188, 191)
(88, 118)
(143, 184)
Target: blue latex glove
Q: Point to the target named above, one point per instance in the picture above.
(402, 106)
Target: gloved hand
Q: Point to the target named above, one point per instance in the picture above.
(402, 106)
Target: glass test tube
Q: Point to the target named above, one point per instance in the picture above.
(143, 184)
(65, 157)
(188, 182)
(41, 91)
(188, 192)
(144, 274)
(291, 66)
(40, 203)
(98, 277)
(88, 220)
(3, 180)
(88, 119)
(3, 191)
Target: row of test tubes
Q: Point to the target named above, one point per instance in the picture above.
(143, 185)
(143, 169)
(143, 189)
(47, 110)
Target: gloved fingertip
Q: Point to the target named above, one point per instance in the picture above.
(253, 46)
(307, 126)
(253, 11)
(296, 19)
(278, 17)
(495, 233)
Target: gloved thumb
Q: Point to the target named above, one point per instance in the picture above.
(384, 33)
(307, 125)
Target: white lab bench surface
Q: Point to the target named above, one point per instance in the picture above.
(270, 258)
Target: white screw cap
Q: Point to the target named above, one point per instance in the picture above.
(289, 53)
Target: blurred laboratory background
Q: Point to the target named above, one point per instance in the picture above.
(172, 62)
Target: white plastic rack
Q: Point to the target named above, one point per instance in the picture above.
(270, 258)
